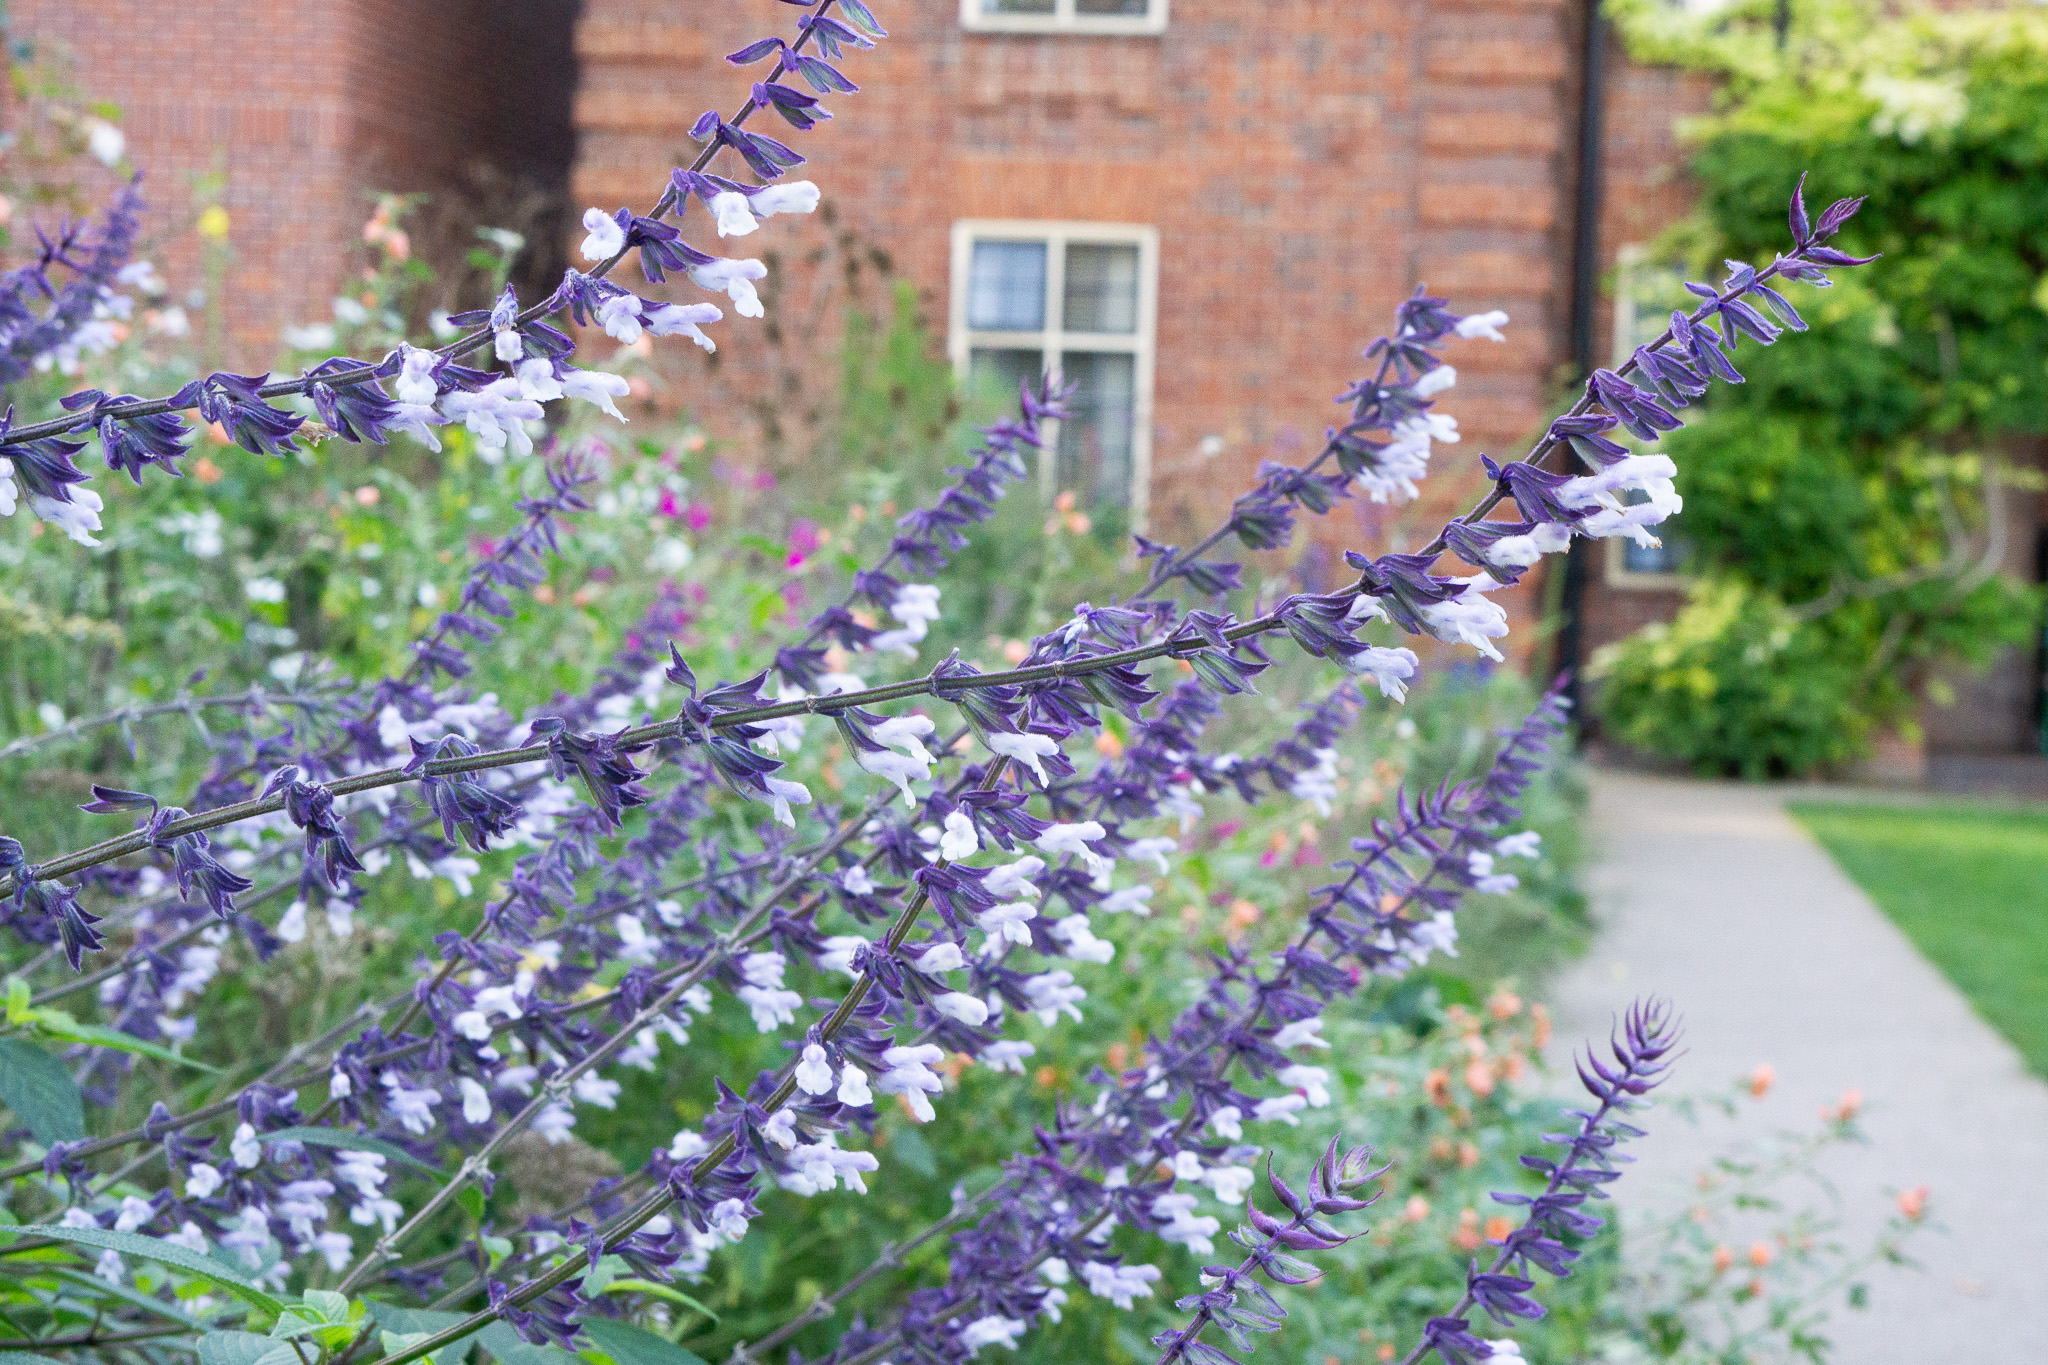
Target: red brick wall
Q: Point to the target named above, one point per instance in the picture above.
(1305, 162)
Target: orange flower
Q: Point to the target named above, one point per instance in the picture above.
(1387, 1350)
(1439, 1087)
(1913, 1203)
(1760, 1080)
(369, 495)
(1852, 1104)
(1479, 1076)
(206, 471)
(1046, 1077)
(1441, 1149)
(1541, 1015)
(1118, 1055)
(1760, 1254)
(1504, 1004)
(1723, 1258)
(1108, 745)
(1467, 1237)
(1468, 1155)
(1498, 1227)
(1512, 1068)
(1417, 1209)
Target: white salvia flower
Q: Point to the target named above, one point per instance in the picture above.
(1282, 1107)
(735, 279)
(910, 1075)
(377, 1209)
(771, 1008)
(838, 953)
(729, 1219)
(134, 1213)
(1080, 940)
(814, 1071)
(302, 1203)
(1183, 1225)
(991, 1331)
(1506, 1351)
(1486, 325)
(1650, 475)
(414, 1109)
(916, 606)
(853, 1087)
(246, 1148)
(77, 518)
(763, 969)
(472, 1024)
(960, 839)
(415, 383)
(75, 1217)
(1120, 1284)
(1301, 1033)
(1074, 839)
(555, 1124)
(1005, 923)
(780, 1128)
(364, 1170)
(202, 1180)
(1469, 618)
(670, 912)
(606, 238)
(7, 493)
(782, 794)
(109, 1267)
(905, 733)
(476, 1101)
(787, 196)
(335, 1248)
(291, 925)
(1313, 1081)
(1186, 1165)
(341, 914)
(683, 319)
(1012, 881)
(1438, 934)
(105, 142)
(729, 207)
(940, 957)
(902, 769)
(1052, 992)
(1527, 844)
(962, 1006)
(518, 1079)
(1389, 668)
(1435, 382)
(1485, 879)
(619, 315)
(250, 1236)
(496, 415)
(687, 1144)
(1007, 1055)
(507, 345)
(855, 881)
(537, 380)
(1229, 1183)
(1519, 552)
(596, 386)
(1318, 785)
(1156, 847)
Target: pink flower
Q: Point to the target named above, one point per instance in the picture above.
(669, 507)
(803, 539)
(697, 516)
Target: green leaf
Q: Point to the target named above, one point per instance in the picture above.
(629, 1285)
(38, 1088)
(166, 1253)
(244, 1348)
(472, 1201)
(507, 1347)
(417, 1322)
(30, 1358)
(58, 1024)
(353, 1142)
(630, 1345)
(122, 1291)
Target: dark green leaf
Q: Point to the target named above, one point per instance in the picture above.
(40, 1091)
(166, 1253)
(630, 1345)
(244, 1348)
(507, 1347)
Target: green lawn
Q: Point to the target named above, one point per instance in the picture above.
(1969, 885)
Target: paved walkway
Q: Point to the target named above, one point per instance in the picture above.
(1711, 894)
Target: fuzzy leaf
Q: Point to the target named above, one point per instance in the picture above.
(166, 1253)
(630, 1345)
(40, 1091)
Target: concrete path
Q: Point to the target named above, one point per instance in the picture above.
(1709, 893)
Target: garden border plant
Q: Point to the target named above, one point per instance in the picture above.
(562, 977)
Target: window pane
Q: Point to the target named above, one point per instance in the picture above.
(1095, 443)
(1139, 7)
(1006, 286)
(1102, 288)
(994, 376)
(1016, 6)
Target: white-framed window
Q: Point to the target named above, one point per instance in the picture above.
(1063, 16)
(1079, 299)
(1645, 292)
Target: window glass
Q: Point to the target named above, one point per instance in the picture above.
(1017, 6)
(1094, 459)
(998, 374)
(1006, 286)
(1112, 6)
(1102, 288)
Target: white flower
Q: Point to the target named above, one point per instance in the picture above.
(902, 769)
(838, 951)
(1229, 1182)
(780, 1128)
(1012, 881)
(476, 1101)
(960, 840)
(246, 1148)
(109, 1267)
(1469, 618)
(729, 1219)
(1282, 1107)
(1007, 1055)
(302, 1203)
(606, 238)
(781, 794)
(105, 141)
(788, 196)
(1519, 552)
(1074, 839)
(414, 1109)
(910, 1075)
(1485, 879)
(555, 1124)
(415, 383)
(763, 969)
(417, 418)
(814, 1071)
(1052, 992)
(472, 1024)
(1120, 1284)
(201, 1181)
(729, 207)
(140, 275)
(1318, 785)
(855, 881)
(1435, 382)
(962, 1006)
(1301, 1033)
(1006, 922)
(291, 925)
(597, 386)
(771, 1008)
(1486, 325)
(1527, 844)
(940, 957)
(1183, 1225)
(619, 315)
(364, 1170)
(1080, 940)
(7, 493)
(1649, 475)
(377, 1209)
(335, 1248)
(1390, 668)
(78, 517)
(853, 1087)
(508, 345)
(1438, 934)
(1155, 847)
(733, 278)
(680, 319)
(991, 1331)
(1314, 1081)
(1505, 1350)
(496, 415)
(687, 1144)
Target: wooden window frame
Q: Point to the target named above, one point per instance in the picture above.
(1064, 19)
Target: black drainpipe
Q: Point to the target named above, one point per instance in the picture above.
(1585, 297)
